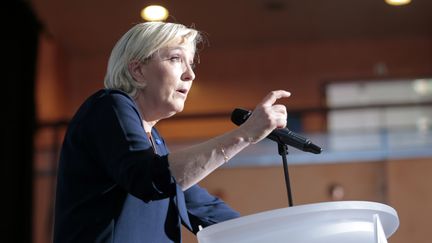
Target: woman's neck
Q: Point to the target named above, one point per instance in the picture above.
(148, 125)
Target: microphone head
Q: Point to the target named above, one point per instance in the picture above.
(239, 116)
(312, 148)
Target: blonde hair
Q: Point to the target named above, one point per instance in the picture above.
(140, 43)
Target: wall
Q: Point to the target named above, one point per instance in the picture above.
(410, 194)
(241, 77)
(402, 184)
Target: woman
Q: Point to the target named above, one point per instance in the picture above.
(117, 182)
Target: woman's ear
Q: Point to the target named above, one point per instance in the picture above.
(135, 70)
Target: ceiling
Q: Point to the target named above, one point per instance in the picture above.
(93, 26)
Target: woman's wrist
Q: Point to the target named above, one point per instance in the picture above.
(246, 137)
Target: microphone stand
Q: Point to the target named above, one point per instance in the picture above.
(283, 151)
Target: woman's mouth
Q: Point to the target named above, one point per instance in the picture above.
(182, 91)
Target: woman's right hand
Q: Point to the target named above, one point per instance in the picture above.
(266, 117)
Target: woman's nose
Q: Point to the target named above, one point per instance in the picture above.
(188, 74)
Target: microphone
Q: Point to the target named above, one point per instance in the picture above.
(280, 135)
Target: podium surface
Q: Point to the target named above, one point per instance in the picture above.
(328, 222)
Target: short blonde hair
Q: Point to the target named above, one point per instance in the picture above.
(140, 43)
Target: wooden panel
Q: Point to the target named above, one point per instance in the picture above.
(50, 85)
(229, 78)
(410, 193)
(193, 129)
(258, 189)
(43, 216)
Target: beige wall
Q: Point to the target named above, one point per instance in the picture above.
(240, 77)
(410, 193)
(402, 184)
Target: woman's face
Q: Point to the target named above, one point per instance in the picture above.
(168, 77)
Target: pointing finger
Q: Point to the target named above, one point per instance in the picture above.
(271, 98)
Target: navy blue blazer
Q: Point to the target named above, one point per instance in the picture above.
(112, 186)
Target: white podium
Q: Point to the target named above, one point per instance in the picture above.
(328, 222)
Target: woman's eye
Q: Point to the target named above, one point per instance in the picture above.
(175, 59)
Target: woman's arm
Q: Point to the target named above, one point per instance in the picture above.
(191, 165)
(205, 209)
